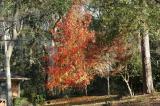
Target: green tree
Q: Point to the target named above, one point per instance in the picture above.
(128, 18)
(19, 15)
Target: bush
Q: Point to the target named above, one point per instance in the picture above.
(21, 102)
(39, 99)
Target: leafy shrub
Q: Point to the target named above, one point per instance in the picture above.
(21, 102)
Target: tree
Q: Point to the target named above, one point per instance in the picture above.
(17, 14)
(129, 17)
(147, 72)
(9, 45)
(72, 38)
(132, 70)
(145, 50)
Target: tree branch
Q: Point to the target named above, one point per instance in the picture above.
(21, 27)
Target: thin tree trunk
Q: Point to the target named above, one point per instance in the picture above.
(129, 88)
(7, 66)
(9, 45)
(146, 62)
(86, 93)
(8, 78)
(125, 78)
(8, 74)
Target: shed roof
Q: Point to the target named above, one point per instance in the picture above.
(13, 76)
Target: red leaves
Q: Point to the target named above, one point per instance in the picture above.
(72, 37)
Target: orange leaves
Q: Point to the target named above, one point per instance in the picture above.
(72, 37)
(121, 50)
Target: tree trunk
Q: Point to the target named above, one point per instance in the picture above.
(8, 74)
(86, 93)
(129, 88)
(146, 62)
(9, 45)
(125, 78)
(8, 79)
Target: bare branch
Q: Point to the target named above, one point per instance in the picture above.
(21, 27)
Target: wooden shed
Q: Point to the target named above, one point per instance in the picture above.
(16, 79)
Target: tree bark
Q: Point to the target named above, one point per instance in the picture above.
(129, 88)
(9, 45)
(126, 80)
(8, 79)
(8, 74)
(146, 62)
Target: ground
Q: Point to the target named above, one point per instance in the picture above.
(113, 100)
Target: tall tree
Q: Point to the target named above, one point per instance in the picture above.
(16, 14)
(9, 45)
(145, 48)
(147, 71)
(128, 18)
(72, 37)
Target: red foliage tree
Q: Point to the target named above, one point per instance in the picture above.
(72, 37)
(75, 52)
